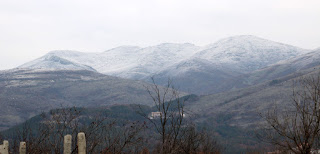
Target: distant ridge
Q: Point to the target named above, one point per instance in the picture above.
(195, 69)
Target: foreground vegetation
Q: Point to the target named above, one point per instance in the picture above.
(118, 129)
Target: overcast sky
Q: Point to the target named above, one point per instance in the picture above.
(31, 28)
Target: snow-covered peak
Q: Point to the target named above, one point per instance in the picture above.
(150, 60)
(240, 40)
(247, 44)
(242, 53)
(123, 61)
(249, 51)
(52, 61)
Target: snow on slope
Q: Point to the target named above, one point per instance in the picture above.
(51, 61)
(302, 62)
(156, 58)
(224, 61)
(248, 52)
(116, 59)
(238, 54)
(125, 61)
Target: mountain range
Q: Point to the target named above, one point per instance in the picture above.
(194, 69)
(230, 72)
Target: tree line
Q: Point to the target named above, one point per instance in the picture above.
(170, 132)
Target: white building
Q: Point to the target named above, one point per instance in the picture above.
(155, 115)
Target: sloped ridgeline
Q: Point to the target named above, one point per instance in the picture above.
(211, 69)
(258, 92)
(195, 69)
(27, 92)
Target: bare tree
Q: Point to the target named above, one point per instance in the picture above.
(176, 134)
(193, 141)
(170, 114)
(124, 139)
(296, 129)
(47, 135)
(102, 135)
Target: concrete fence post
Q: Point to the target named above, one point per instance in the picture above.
(22, 148)
(67, 144)
(4, 148)
(81, 143)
